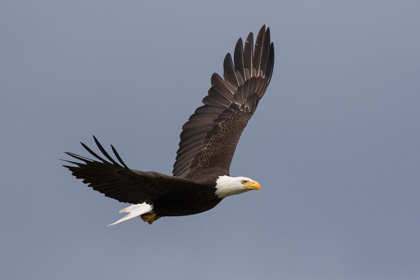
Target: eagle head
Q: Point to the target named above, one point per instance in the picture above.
(226, 185)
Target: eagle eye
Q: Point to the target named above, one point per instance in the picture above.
(244, 182)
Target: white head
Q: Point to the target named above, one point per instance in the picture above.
(226, 186)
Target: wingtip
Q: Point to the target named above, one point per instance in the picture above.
(239, 43)
(250, 38)
(96, 140)
(262, 29)
(84, 146)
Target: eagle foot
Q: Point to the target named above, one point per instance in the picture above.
(150, 217)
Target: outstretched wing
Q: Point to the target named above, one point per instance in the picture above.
(209, 138)
(114, 179)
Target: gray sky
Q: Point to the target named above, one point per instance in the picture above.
(334, 142)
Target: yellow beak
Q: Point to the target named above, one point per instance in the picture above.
(252, 185)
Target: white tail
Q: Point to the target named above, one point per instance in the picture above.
(135, 210)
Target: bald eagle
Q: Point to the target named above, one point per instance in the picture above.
(201, 176)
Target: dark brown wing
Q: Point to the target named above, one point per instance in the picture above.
(114, 179)
(209, 138)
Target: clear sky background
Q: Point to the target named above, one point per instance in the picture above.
(335, 142)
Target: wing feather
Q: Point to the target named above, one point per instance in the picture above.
(229, 71)
(259, 50)
(249, 56)
(117, 181)
(209, 137)
(239, 60)
(270, 64)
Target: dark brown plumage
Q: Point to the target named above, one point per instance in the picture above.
(208, 142)
(209, 138)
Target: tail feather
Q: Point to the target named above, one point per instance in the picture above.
(135, 210)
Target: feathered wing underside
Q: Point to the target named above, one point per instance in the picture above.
(209, 138)
(114, 179)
